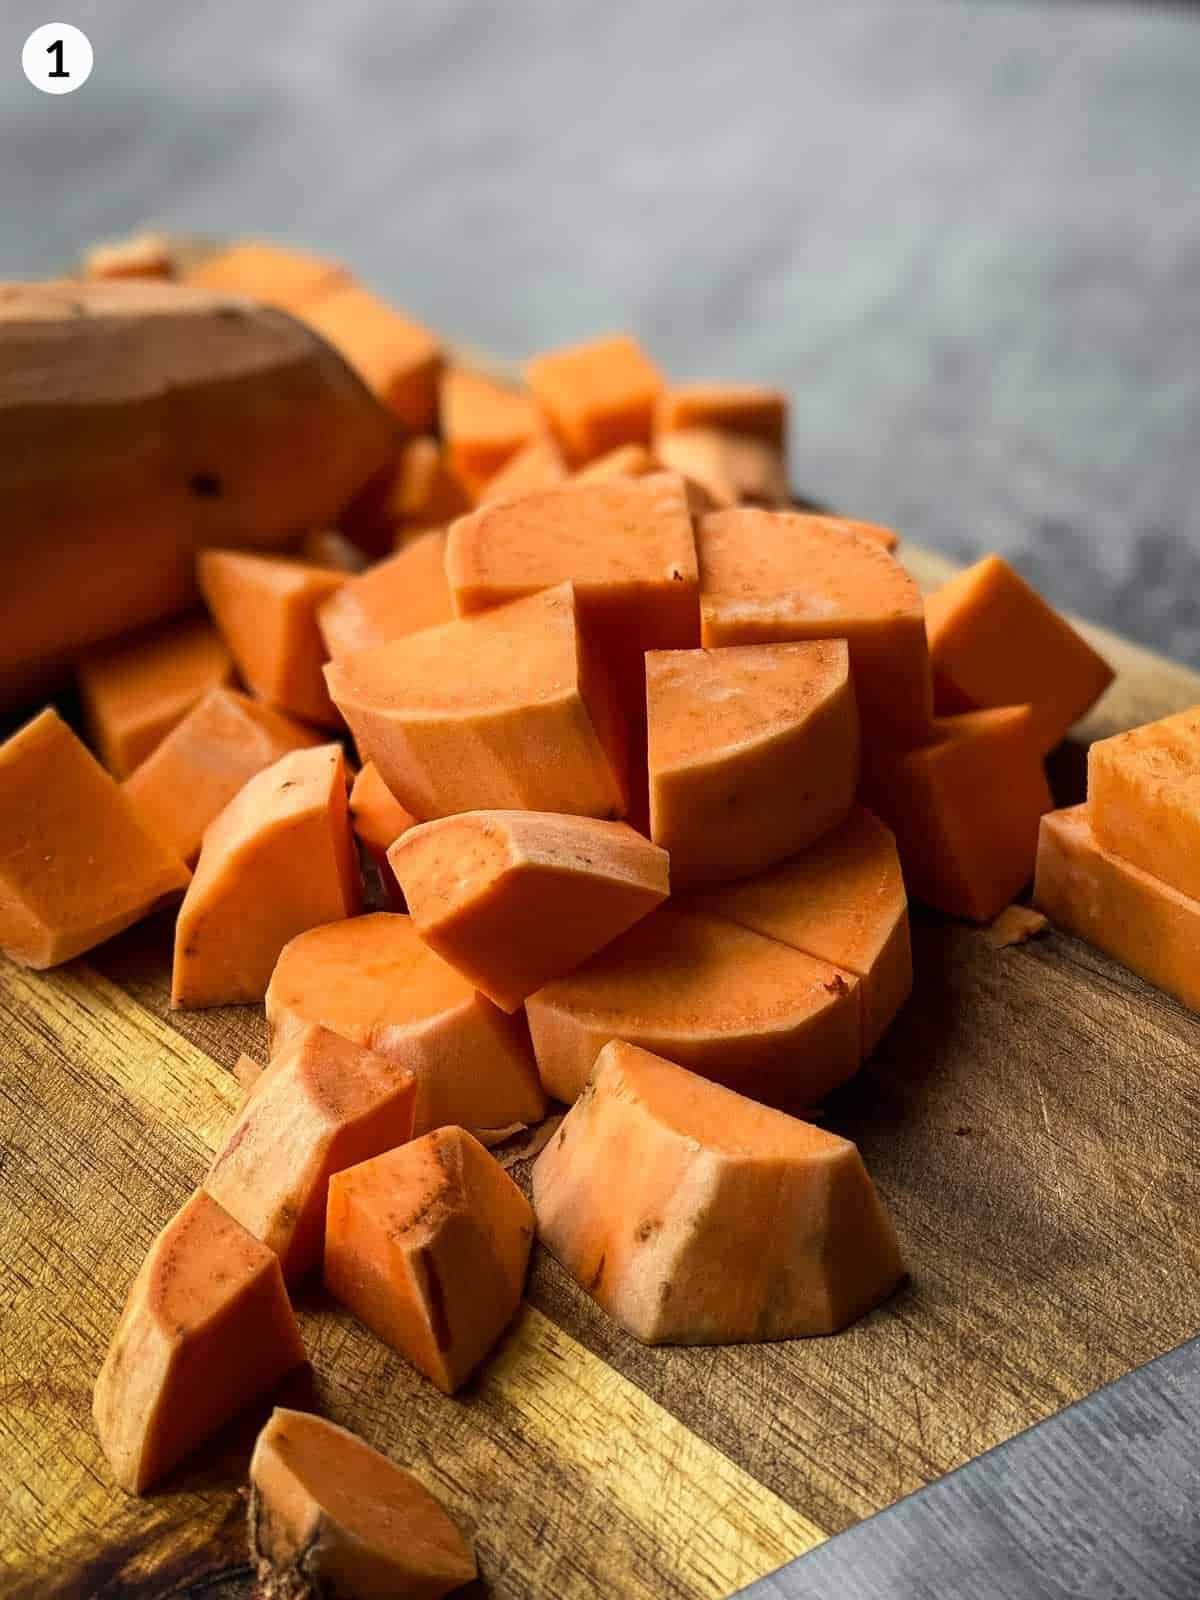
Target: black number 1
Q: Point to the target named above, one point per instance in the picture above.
(56, 50)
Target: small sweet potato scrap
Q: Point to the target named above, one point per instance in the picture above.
(1014, 925)
(247, 1071)
(597, 395)
(141, 255)
(402, 594)
(626, 461)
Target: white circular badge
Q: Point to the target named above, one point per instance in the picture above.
(57, 58)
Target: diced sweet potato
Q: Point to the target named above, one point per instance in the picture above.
(322, 1104)
(76, 862)
(626, 461)
(141, 255)
(841, 900)
(329, 547)
(744, 408)
(506, 711)
(403, 594)
(597, 395)
(379, 819)
(397, 358)
(484, 424)
(199, 767)
(289, 279)
(206, 1330)
(537, 465)
(742, 1010)
(330, 1516)
(995, 642)
(429, 1245)
(1015, 924)
(279, 859)
(422, 492)
(732, 468)
(753, 753)
(512, 899)
(373, 980)
(887, 537)
(1144, 798)
(695, 1216)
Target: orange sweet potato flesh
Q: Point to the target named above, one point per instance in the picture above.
(694, 1216)
(512, 899)
(403, 594)
(626, 461)
(597, 395)
(77, 865)
(396, 358)
(206, 1330)
(330, 1516)
(141, 255)
(744, 408)
(537, 465)
(329, 547)
(745, 1011)
(771, 576)
(429, 1245)
(995, 642)
(289, 279)
(484, 425)
(373, 980)
(731, 468)
(198, 768)
(279, 859)
(322, 1104)
(1144, 798)
(753, 753)
(379, 819)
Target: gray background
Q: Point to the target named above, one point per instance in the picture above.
(966, 237)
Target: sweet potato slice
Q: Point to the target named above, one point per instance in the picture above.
(322, 1104)
(626, 461)
(512, 899)
(1144, 798)
(745, 1011)
(429, 1245)
(198, 768)
(206, 1330)
(695, 1216)
(289, 279)
(597, 395)
(732, 468)
(509, 710)
(76, 862)
(753, 753)
(396, 357)
(403, 594)
(749, 409)
(484, 424)
(373, 980)
(330, 1516)
(279, 859)
(537, 465)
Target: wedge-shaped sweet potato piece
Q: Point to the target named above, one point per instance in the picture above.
(279, 859)
(322, 1104)
(198, 768)
(745, 1011)
(330, 1516)
(206, 1330)
(428, 1245)
(77, 863)
(732, 468)
(626, 461)
(753, 753)
(289, 279)
(695, 1216)
(770, 576)
(749, 409)
(597, 395)
(842, 900)
(536, 465)
(1144, 798)
(375, 981)
(512, 899)
(395, 357)
(403, 594)
(505, 711)
(484, 424)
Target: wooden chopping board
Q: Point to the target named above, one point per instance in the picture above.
(1032, 1120)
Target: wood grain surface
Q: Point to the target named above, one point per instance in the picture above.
(1031, 1120)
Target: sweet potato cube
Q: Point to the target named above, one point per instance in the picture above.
(429, 1245)
(329, 1515)
(512, 899)
(749, 409)
(732, 468)
(279, 859)
(289, 279)
(995, 642)
(403, 594)
(753, 753)
(1144, 798)
(395, 357)
(374, 980)
(537, 465)
(507, 711)
(206, 1330)
(77, 864)
(745, 1011)
(597, 395)
(694, 1216)
(484, 424)
(626, 461)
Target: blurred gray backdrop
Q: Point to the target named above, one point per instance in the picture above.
(966, 237)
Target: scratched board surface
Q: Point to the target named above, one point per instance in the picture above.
(1031, 1120)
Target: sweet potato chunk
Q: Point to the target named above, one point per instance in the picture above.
(742, 408)
(401, 595)
(141, 255)
(626, 461)
(512, 899)
(206, 1330)
(329, 547)
(279, 859)
(322, 1104)
(1144, 798)
(199, 767)
(379, 819)
(753, 753)
(373, 980)
(76, 862)
(289, 279)
(742, 1010)
(330, 1516)
(597, 395)
(695, 1216)
(424, 492)
(428, 1245)
(537, 465)
(732, 469)
(484, 424)
(395, 357)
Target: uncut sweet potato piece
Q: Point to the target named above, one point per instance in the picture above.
(1144, 798)
(403, 594)
(694, 1216)
(322, 1104)
(740, 408)
(279, 859)
(537, 465)
(206, 1330)
(745, 1011)
(77, 865)
(484, 424)
(753, 753)
(597, 395)
(373, 980)
(429, 1245)
(512, 899)
(731, 468)
(198, 768)
(289, 279)
(626, 461)
(330, 1516)
(508, 710)
(395, 357)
